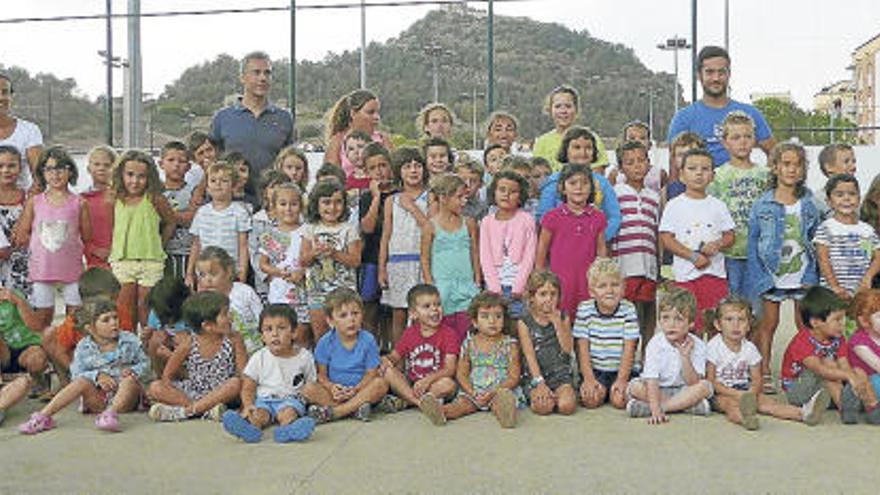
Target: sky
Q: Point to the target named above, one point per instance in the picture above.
(776, 46)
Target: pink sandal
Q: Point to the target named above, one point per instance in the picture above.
(108, 421)
(38, 422)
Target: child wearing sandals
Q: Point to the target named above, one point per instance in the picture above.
(212, 361)
(675, 365)
(545, 335)
(20, 349)
(733, 366)
(348, 363)
(272, 383)
(106, 371)
(488, 369)
(428, 351)
(864, 345)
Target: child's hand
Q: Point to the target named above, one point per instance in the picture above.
(382, 276)
(543, 394)
(384, 364)
(102, 253)
(248, 411)
(421, 387)
(658, 418)
(555, 318)
(711, 248)
(840, 292)
(190, 282)
(702, 261)
(375, 188)
(127, 372)
(105, 382)
(338, 392)
(618, 389)
(484, 398)
(295, 276)
(591, 389)
(686, 347)
(242, 275)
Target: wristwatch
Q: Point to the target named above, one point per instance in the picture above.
(536, 380)
(694, 256)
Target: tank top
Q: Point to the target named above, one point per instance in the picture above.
(56, 243)
(136, 233)
(101, 221)
(451, 267)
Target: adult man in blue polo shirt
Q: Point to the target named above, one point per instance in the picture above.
(704, 117)
(252, 125)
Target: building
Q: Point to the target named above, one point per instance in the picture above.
(865, 69)
(839, 98)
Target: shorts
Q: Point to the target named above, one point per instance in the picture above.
(707, 290)
(779, 295)
(43, 295)
(521, 402)
(514, 306)
(640, 289)
(274, 406)
(368, 282)
(800, 390)
(667, 392)
(107, 399)
(145, 273)
(13, 365)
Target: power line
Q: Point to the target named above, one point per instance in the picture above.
(250, 10)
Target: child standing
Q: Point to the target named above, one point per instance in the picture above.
(488, 371)
(562, 105)
(695, 228)
(399, 252)
(272, 383)
(471, 172)
(680, 144)
(449, 255)
(279, 256)
(427, 352)
(675, 365)
(781, 256)
(57, 223)
(837, 158)
(635, 246)
(223, 222)
(572, 236)
(436, 121)
(262, 224)
(438, 156)
(816, 359)
(294, 164)
(13, 260)
(545, 335)
(348, 363)
(330, 251)
(174, 162)
(864, 345)
(508, 239)
(215, 272)
(606, 330)
(738, 183)
(106, 371)
(733, 368)
(210, 358)
(847, 250)
(100, 202)
(356, 180)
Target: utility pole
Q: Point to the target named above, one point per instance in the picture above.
(675, 44)
(434, 50)
(133, 117)
(363, 44)
(490, 58)
(693, 51)
(291, 73)
(108, 105)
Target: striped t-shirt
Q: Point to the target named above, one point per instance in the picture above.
(850, 249)
(606, 333)
(635, 246)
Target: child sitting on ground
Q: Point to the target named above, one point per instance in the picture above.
(734, 368)
(816, 358)
(272, 383)
(20, 349)
(428, 353)
(106, 370)
(545, 335)
(488, 372)
(675, 365)
(606, 329)
(165, 320)
(864, 345)
(348, 363)
(212, 359)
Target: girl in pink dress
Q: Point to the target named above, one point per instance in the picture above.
(572, 235)
(100, 203)
(56, 224)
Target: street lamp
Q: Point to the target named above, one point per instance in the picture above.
(112, 63)
(675, 44)
(473, 96)
(434, 50)
(650, 92)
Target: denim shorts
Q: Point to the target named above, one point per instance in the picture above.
(514, 306)
(273, 406)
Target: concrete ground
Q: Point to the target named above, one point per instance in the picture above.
(591, 452)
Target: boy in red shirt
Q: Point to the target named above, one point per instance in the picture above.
(817, 357)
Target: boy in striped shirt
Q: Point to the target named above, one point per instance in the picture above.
(635, 246)
(606, 332)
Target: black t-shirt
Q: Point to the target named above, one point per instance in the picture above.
(370, 251)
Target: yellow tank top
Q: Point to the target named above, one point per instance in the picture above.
(136, 234)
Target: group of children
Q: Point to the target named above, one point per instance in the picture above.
(424, 278)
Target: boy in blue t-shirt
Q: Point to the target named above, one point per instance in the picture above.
(348, 363)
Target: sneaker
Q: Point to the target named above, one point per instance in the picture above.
(391, 404)
(363, 412)
(298, 431)
(432, 409)
(748, 409)
(638, 409)
(108, 421)
(872, 416)
(239, 427)
(164, 412)
(215, 413)
(37, 423)
(506, 402)
(849, 405)
(321, 414)
(811, 412)
(701, 408)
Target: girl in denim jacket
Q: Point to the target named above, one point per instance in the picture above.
(781, 256)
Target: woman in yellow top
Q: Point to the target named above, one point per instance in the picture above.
(562, 106)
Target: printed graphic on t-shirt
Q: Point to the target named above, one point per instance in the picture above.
(423, 360)
(790, 260)
(53, 234)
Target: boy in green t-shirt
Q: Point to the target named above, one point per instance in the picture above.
(738, 183)
(20, 349)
